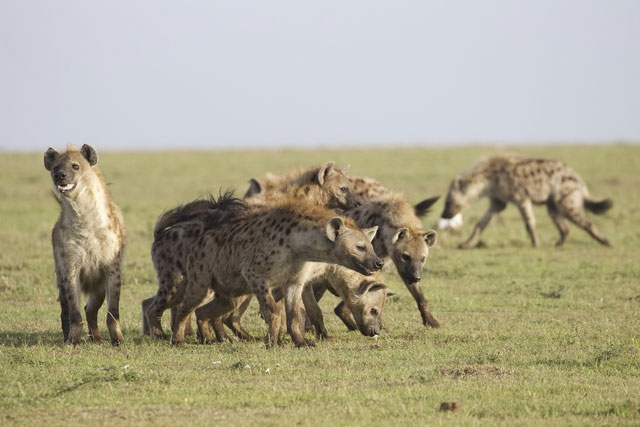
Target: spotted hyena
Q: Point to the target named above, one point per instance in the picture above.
(88, 243)
(401, 239)
(266, 247)
(363, 296)
(524, 182)
(326, 185)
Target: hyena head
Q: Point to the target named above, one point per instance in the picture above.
(68, 169)
(352, 246)
(410, 252)
(367, 306)
(461, 194)
(337, 187)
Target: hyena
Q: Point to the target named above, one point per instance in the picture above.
(326, 185)
(266, 247)
(364, 297)
(400, 238)
(88, 243)
(524, 182)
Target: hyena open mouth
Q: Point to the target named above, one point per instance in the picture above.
(66, 188)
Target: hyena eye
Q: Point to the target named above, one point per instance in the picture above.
(423, 259)
(56, 169)
(374, 312)
(361, 248)
(343, 189)
(406, 257)
(75, 166)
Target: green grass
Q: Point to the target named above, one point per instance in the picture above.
(529, 336)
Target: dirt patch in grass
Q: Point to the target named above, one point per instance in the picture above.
(470, 371)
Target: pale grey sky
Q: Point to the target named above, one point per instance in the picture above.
(224, 74)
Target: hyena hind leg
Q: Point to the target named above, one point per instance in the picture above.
(573, 209)
(579, 219)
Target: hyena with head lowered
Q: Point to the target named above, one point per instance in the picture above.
(88, 243)
(265, 247)
(524, 182)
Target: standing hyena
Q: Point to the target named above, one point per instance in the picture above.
(88, 243)
(524, 182)
(325, 184)
(267, 247)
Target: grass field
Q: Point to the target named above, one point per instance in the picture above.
(529, 336)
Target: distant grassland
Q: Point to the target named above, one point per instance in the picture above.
(529, 336)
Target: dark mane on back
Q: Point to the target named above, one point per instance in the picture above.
(209, 210)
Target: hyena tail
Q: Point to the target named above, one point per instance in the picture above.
(424, 206)
(598, 207)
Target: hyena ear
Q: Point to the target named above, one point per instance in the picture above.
(430, 237)
(90, 154)
(370, 232)
(254, 188)
(460, 183)
(424, 206)
(334, 227)
(400, 234)
(325, 171)
(50, 156)
(366, 287)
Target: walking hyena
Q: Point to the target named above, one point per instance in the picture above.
(364, 297)
(326, 185)
(88, 243)
(524, 182)
(266, 247)
(401, 238)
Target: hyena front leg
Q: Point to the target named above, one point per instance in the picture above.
(95, 301)
(423, 305)
(343, 312)
(526, 210)
(64, 311)
(559, 221)
(72, 299)
(114, 282)
(495, 207)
